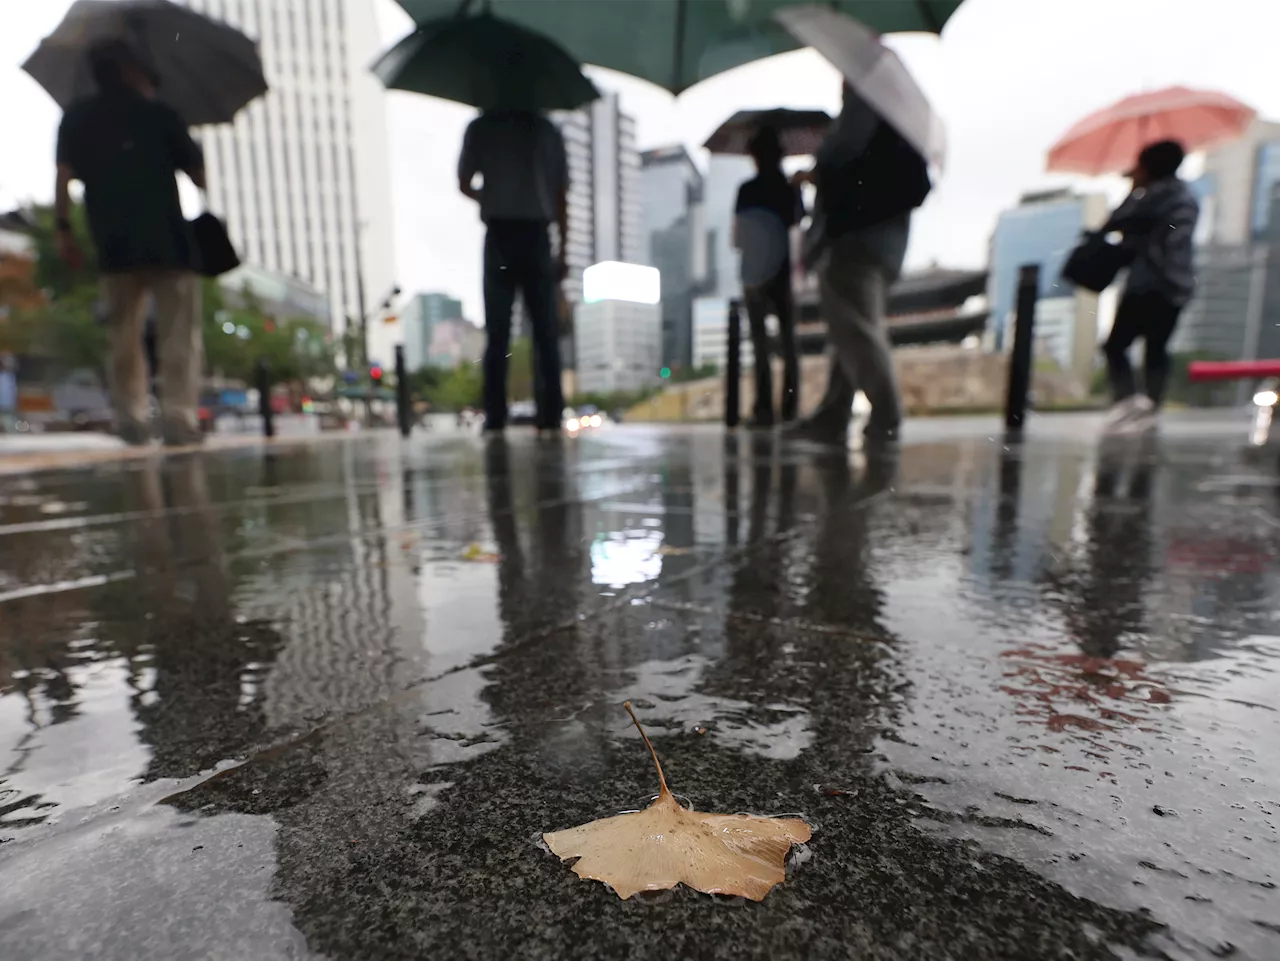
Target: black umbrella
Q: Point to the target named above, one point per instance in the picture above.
(801, 131)
(487, 63)
(207, 70)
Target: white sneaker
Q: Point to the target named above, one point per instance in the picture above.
(1140, 417)
(1132, 408)
(1123, 410)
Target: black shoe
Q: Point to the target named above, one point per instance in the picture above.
(134, 433)
(881, 438)
(831, 433)
(761, 422)
(182, 435)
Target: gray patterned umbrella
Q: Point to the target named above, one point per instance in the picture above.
(207, 70)
(801, 131)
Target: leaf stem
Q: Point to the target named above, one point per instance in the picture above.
(662, 779)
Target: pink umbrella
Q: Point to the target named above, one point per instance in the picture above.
(1109, 140)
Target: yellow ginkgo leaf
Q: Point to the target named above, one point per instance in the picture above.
(477, 554)
(666, 844)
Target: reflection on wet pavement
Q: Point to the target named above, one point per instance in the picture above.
(277, 704)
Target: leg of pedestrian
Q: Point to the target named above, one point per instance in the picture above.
(757, 304)
(853, 298)
(180, 342)
(540, 297)
(1156, 363)
(784, 304)
(1129, 325)
(499, 298)
(125, 298)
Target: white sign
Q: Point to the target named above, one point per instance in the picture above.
(631, 283)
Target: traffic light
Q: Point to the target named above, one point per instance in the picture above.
(375, 374)
(665, 373)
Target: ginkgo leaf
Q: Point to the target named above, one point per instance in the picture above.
(666, 844)
(478, 555)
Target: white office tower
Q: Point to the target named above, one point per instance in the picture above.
(302, 176)
(605, 216)
(619, 328)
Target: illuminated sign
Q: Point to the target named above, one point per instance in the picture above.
(612, 280)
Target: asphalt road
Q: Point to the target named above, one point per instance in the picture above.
(320, 701)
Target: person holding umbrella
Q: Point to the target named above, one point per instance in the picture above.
(768, 206)
(514, 76)
(868, 179)
(871, 172)
(1158, 223)
(520, 156)
(126, 147)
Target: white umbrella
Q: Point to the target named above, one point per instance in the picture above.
(207, 69)
(875, 72)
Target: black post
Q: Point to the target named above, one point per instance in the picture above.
(733, 367)
(262, 381)
(403, 414)
(1024, 327)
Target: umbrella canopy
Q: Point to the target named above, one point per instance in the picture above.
(207, 69)
(1110, 140)
(487, 63)
(801, 131)
(676, 43)
(875, 72)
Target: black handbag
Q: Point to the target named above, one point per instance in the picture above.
(214, 253)
(1095, 262)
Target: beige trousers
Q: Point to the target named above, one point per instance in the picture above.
(179, 348)
(853, 295)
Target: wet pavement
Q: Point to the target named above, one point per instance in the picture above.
(321, 701)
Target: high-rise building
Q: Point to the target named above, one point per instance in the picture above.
(619, 328)
(1043, 229)
(1235, 186)
(302, 176)
(277, 294)
(675, 237)
(419, 319)
(711, 334)
(605, 214)
(1235, 313)
(455, 342)
(725, 174)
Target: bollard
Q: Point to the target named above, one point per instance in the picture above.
(733, 367)
(1024, 324)
(262, 381)
(403, 413)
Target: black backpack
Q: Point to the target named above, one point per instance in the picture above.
(886, 180)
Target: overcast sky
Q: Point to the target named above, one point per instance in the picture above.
(1008, 76)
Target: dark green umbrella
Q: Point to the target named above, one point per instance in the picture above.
(487, 63)
(676, 43)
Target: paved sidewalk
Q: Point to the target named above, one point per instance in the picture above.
(320, 700)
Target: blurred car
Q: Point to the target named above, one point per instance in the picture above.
(523, 413)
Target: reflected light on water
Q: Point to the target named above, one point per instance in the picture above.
(631, 558)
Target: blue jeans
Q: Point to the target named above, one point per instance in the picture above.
(517, 256)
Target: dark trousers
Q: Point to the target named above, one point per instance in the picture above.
(1152, 317)
(774, 296)
(517, 256)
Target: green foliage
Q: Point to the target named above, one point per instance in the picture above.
(67, 329)
(614, 401)
(295, 349)
(51, 273)
(683, 375)
(520, 370)
(458, 388)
